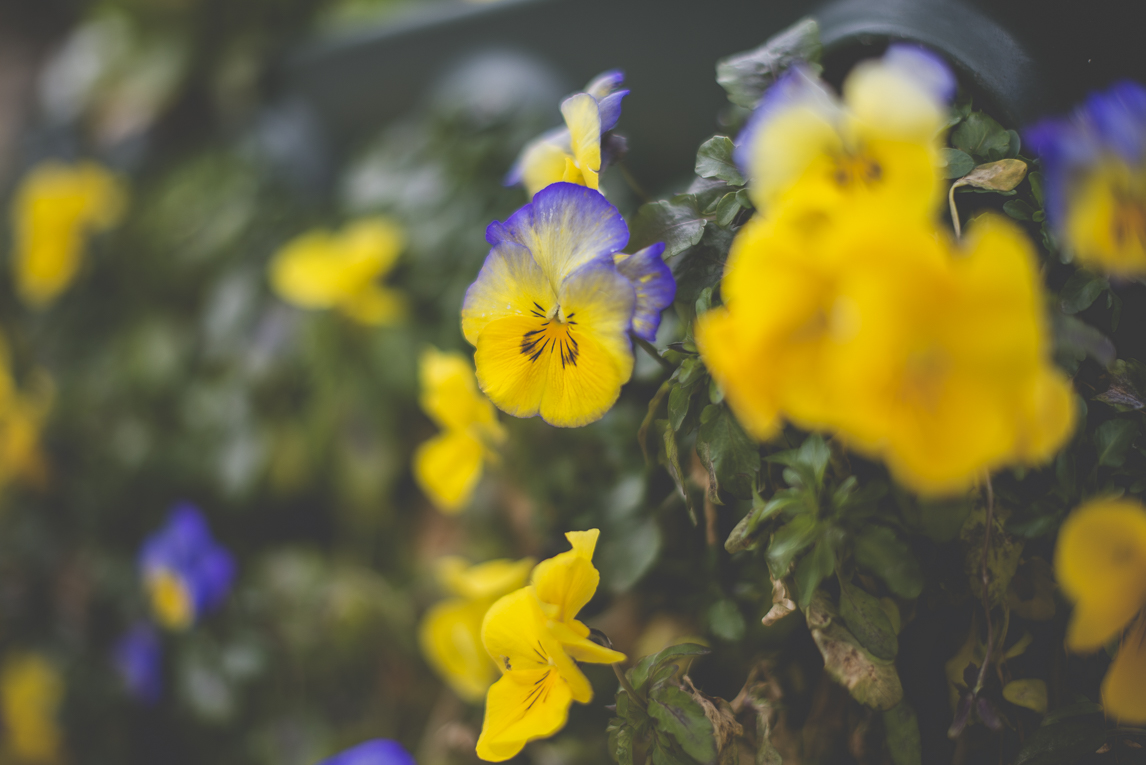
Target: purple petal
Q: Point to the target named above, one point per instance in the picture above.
(380, 751)
(605, 83)
(654, 285)
(610, 109)
(138, 659)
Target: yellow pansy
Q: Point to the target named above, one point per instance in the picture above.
(573, 153)
(449, 465)
(22, 414)
(1100, 561)
(56, 208)
(322, 270)
(31, 692)
(882, 142)
(533, 636)
(450, 633)
(550, 312)
(933, 358)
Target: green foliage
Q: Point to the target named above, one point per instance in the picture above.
(746, 76)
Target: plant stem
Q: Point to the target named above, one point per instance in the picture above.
(651, 349)
(985, 579)
(620, 673)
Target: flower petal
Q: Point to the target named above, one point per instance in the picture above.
(448, 468)
(521, 707)
(491, 579)
(583, 117)
(1122, 690)
(567, 581)
(374, 305)
(449, 392)
(450, 636)
(902, 95)
(565, 227)
(510, 284)
(654, 285)
(1100, 561)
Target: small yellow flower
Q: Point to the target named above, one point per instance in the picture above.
(449, 465)
(321, 270)
(881, 143)
(1100, 561)
(451, 631)
(533, 636)
(22, 415)
(875, 327)
(31, 691)
(57, 207)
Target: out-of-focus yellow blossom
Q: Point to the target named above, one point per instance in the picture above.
(534, 637)
(56, 208)
(321, 270)
(934, 358)
(573, 153)
(31, 691)
(1095, 167)
(882, 143)
(1100, 561)
(451, 631)
(449, 465)
(22, 415)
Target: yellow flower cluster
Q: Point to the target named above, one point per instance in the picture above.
(1100, 562)
(21, 419)
(31, 692)
(535, 639)
(451, 630)
(56, 208)
(322, 270)
(449, 465)
(847, 308)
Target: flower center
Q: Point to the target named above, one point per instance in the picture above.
(1129, 220)
(552, 334)
(857, 168)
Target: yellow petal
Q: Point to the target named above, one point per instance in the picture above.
(450, 396)
(569, 580)
(448, 468)
(583, 117)
(573, 640)
(450, 636)
(1100, 561)
(488, 580)
(519, 708)
(31, 692)
(374, 305)
(1104, 205)
(584, 542)
(170, 600)
(1124, 689)
(542, 164)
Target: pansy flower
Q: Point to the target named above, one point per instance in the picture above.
(653, 284)
(186, 572)
(22, 414)
(577, 152)
(933, 358)
(550, 312)
(1100, 561)
(138, 658)
(323, 270)
(1095, 166)
(803, 146)
(379, 751)
(449, 465)
(534, 637)
(57, 208)
(451, 630)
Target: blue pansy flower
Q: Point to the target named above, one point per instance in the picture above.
(380, 751)
(138, 659)
(579, 151)
(186, 573)
(1095, 170)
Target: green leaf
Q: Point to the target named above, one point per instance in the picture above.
(1075, 340)
(1028, 692)
(941, 519)
(1112, 440)
(879, 550)
(746, 76)
(726, 451)
(1062, 744)
(727, 209)
(1081, 290)
(665, 751)
(639, 674)
(726, 621)
(792, 538)
(670, 458)
(631, 554)
(702, 265)
(1019, 210)
(1036, 181)
(621, 743)
(677, 222)
(870, 680)
(679, 397)
(981, 137)
(866, 619)
(650, 417)
(812, 569)
(714, 160)
(683, 718)
(746, 534)
(903, 740)
(691, 370)
(956, 163)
